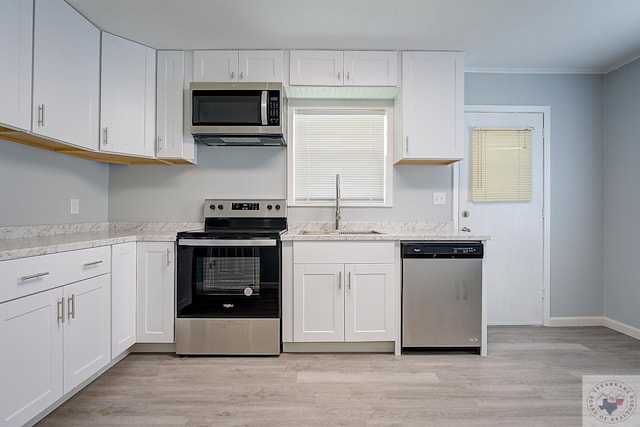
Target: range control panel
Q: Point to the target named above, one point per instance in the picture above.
(215, 208)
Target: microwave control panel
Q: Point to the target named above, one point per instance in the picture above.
(273, 108)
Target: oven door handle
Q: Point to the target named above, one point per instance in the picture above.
(226, 243)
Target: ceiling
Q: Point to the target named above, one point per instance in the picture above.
(574, 36)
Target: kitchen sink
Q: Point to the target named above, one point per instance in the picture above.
(339, 232)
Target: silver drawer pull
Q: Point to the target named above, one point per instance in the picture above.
(91, 264)
(34, 276)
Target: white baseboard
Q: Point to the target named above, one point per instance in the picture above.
(622, 328)
(596, 321)
(577, 321)
(518, 323)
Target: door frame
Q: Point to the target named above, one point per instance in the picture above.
(546, 189)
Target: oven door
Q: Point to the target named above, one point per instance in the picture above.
(228, 278)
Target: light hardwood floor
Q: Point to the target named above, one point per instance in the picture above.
(532, 377)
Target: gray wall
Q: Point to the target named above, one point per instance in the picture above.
(622, 196)
(175, 193)
(577, 130)
(36, 185)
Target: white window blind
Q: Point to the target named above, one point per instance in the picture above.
(501, 167)
(348, 142)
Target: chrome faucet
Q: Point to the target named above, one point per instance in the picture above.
(337, 201)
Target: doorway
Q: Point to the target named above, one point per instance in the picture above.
(517, 256)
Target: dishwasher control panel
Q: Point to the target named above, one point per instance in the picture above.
(443, 250)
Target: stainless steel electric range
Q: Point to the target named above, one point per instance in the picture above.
(228, 295)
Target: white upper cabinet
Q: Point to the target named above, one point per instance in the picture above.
(66, 73)
(370, 68)
(16, 35)
(237, 66)
(127, 117)
(171, 141)
(348, 68)
(432, 108)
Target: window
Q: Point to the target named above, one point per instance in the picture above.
(501, 166)
(349, 141)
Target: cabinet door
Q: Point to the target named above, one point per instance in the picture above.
(123, 297)
(318, 302)
(432, 105)
(370, 68)
(66, 72)
(16, 35)
(87, 338)
(128, 97)
(169, 113)
(31, 356)
(156, 290)
(260, 65)
(370, 306)
(215, 66)
(316, 67)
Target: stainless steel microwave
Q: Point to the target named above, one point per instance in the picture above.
(238, 113)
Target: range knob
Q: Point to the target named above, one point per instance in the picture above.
(220, 207)
(212, 207)
(269, 207)
(277, 207)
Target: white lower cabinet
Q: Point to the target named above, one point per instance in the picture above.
(123, 297)
(52, 341)
(31, 356)
(335, 302)
(155, 292)
(87, 338)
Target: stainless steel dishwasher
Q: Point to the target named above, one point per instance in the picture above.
(441, 295)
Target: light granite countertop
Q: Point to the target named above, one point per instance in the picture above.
(28, 241)
(396, 231)
(22, 242)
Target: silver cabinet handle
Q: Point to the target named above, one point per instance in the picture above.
(340, 280)
(465, 229)
(34, 276)
(406, 144)
(233, 75)
(71, 302)
(241, 75)
(106, 135)
(349, 279)
(60, 310)
(91, 264)
(41, 115)
(338, 75)
(348, 76)
(168, 256)
(159, 142)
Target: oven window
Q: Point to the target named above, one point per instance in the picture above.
(220, 275)
(229, 282)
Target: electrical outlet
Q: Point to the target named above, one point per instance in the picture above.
(439, 198)
(74, 208)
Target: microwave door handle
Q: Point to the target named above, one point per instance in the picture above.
(263, 107)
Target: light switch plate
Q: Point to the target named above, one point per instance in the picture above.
(439, 198)
(74, 208)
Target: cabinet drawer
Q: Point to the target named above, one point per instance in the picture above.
(25, 276)
(344, 252)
